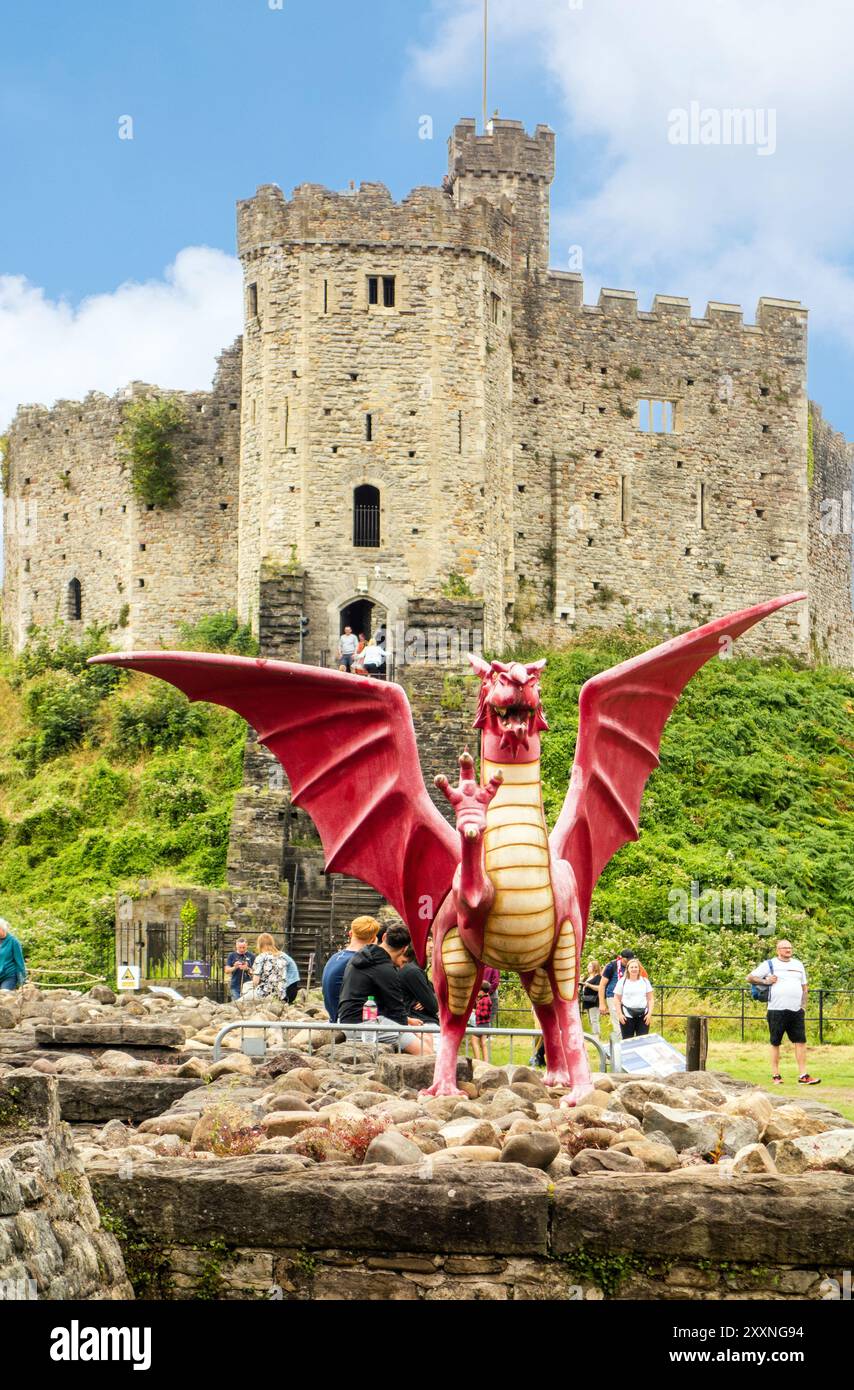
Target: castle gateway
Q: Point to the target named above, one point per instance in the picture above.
(424, 427)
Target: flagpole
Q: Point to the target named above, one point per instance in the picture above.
(485, 56)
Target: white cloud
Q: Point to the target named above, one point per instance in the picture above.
(711, 222)
(166, 331)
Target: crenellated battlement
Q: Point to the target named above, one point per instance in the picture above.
(427, 218)
(773, 316)
(505, 148)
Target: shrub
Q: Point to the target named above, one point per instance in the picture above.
(149, 434)
(229, 1141)
(103, 790)
(62, 709)
(218, 632)
(351, 1136)
(456, 586)
(158, 717)
(171, 793)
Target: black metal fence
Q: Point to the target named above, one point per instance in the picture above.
(829, 1011)
(161, 950)
(191, 959)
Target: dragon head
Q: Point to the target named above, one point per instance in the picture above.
(510, 709)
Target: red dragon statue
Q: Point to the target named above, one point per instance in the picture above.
(500, 890)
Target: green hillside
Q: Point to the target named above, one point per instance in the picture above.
(106, 779)
(755, 790)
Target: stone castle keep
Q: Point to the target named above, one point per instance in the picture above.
(424, 424)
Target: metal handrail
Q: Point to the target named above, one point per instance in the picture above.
(331, 924)
(310, 1026)
(293, 905)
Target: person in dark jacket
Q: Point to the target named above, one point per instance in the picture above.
(419, 995)
(363, 932)
(373, 973)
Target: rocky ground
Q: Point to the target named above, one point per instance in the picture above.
(350, 1106)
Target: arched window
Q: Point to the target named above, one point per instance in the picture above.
(75, 601)
(366, 516)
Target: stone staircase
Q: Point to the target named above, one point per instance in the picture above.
(319, 920)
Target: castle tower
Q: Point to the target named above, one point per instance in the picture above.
(377, 384)
(508, 163)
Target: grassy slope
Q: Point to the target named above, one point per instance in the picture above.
(756, 789)
(95, 819)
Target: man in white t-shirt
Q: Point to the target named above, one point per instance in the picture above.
(787, 999)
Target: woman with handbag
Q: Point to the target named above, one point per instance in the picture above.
(634, 1001)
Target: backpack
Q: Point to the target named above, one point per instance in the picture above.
(760, 992)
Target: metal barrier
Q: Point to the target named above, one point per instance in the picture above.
(744, 1014)
(309, 1026)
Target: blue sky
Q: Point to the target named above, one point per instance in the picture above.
(102, 275)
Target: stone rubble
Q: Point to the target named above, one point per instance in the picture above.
(158, 1094)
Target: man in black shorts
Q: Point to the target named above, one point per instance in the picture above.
(787, 999)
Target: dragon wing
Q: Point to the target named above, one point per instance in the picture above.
(622, 713)
(348, 748)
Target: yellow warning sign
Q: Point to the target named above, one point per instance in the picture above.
(128, 976)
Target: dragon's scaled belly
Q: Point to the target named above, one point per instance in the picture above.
(520, 929)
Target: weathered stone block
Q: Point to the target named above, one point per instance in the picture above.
(92, 1102)
(416, 1073)
(694, 1215)
(482, 1209)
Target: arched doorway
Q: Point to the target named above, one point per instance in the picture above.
(359, 615)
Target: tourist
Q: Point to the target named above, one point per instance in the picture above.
(590, 995)
(238, 966)
(13, 972)
(611, 975)
(481, 1016)
(786, 980)
(492, 980)
(373, 974)
(373, 659)
(634, 1001)
(418, 993)
(363, 932)
(273, 972)
(347, 644)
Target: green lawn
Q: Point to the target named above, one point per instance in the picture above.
(750, 1062)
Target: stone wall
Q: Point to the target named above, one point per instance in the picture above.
(70, 513)
(150, 932)
(485, 1232)
(444, 702)
(830, 544)
(667, 529)
(52, 1243)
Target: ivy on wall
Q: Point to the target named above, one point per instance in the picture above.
(4, 464)
(150, 430)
